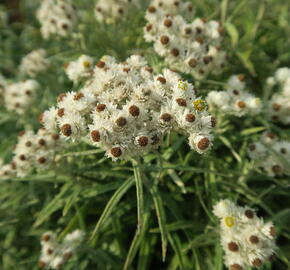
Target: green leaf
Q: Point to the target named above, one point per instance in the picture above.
(139, 192)
(139, 235)
(233, 32)
(160, 212)
(250, 131)
(111, 204)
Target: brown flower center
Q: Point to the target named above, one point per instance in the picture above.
(276, 107)
(162, 80)
(121, 121)
(192, 62)
(241, 104)
(166, 117)
(61, 97)
(257, 262)
(203, 144)
(181, 102)
(100, 107)
(78, 96)
(249, 213)
(143, 141)
(116, 151)
(164, 40)
(60, 112)
(254, 239)
(95, 135)
(41, 160)
(100, 64)
(134, 110)
(190, 118)
(167, 22)
(66, 130)
(232, 246)
(236, 267)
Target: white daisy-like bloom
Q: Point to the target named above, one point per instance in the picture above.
(57, 18)
(32, 151)
(79, 69)
(110, 11)
(55, 254)
(20, 96)
(126, 110)
(190, 45)
(278, 108)
(271, 154)
(34, 63)
(236, 100)
(246, 239)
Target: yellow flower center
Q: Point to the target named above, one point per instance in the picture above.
(257, 101)
(230, 221)
(182, 85)
(87, 64)
(199, 105)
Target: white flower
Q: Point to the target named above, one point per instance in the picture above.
(245, 238)
(278, 107)
(271, 154)
(20, 96)
(110, 11)
(126, 110)
(57, 17)
(187, 45)
(34, 63)
(33, 151)
(55, 254)
(79, 69)
(236, 100)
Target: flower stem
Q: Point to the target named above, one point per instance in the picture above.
(139, 191)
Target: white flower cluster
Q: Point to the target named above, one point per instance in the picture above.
(126, 110)
(191, 47)
(278, 109)
(110, 11)
(32, 151)
(57, 17)
(236, 100)
(55, 254)
(245, 238)
(79, 69)
(271, 154)
(34, 63)
(20, 96)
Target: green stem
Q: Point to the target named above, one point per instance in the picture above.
(139, 191)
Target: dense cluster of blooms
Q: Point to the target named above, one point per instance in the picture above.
(271, 154)
(55, 254)
(110, 11)
(278, 109)
(57, 17)
(34, 63)
(20, 96)
(126, 110)
(235, 100)
(246, 239)
(79, 69)
(32, 151)
(191, 47)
